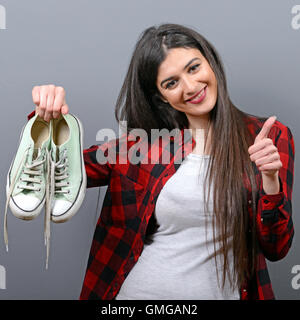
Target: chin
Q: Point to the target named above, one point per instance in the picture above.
(198, 110)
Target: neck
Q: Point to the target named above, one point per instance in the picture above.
(199, 127)
(198, 122)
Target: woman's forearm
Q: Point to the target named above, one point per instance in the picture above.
(271, 184)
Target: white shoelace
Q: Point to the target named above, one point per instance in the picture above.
(56, 174)
(33, 170)
(61, 174)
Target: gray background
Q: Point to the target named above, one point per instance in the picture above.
(85, 46)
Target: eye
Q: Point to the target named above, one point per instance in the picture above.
(170, 84)
(194, 67)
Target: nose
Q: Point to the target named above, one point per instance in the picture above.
(189, 87)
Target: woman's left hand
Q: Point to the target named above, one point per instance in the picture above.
(264, 153)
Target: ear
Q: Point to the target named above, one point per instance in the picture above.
(162, 98)
(158, 98)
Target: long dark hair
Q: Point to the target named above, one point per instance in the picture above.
(140, 104)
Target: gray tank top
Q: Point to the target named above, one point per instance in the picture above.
(179, 263)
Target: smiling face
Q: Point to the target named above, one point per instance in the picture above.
(186, 81)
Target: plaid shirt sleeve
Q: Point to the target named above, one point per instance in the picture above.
(275, 229)
(97, 174)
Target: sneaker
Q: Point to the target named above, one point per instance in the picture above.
(67, 172)
(27, 177)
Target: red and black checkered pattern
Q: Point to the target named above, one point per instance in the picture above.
(130, 201)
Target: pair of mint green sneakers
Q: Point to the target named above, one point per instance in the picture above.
(48, 170)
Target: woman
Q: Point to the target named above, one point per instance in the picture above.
(199, 228)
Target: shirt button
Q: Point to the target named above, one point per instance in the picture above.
(250, 201)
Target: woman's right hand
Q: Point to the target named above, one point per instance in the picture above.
(50, 101)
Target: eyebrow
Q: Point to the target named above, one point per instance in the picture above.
(170, 78)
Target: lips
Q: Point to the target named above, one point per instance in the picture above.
(198, 97)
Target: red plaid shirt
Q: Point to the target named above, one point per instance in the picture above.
(130, 201)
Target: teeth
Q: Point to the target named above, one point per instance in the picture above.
(199, 95)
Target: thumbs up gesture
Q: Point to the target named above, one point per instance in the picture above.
(264, 153)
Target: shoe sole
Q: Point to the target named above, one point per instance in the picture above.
(81, 193)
